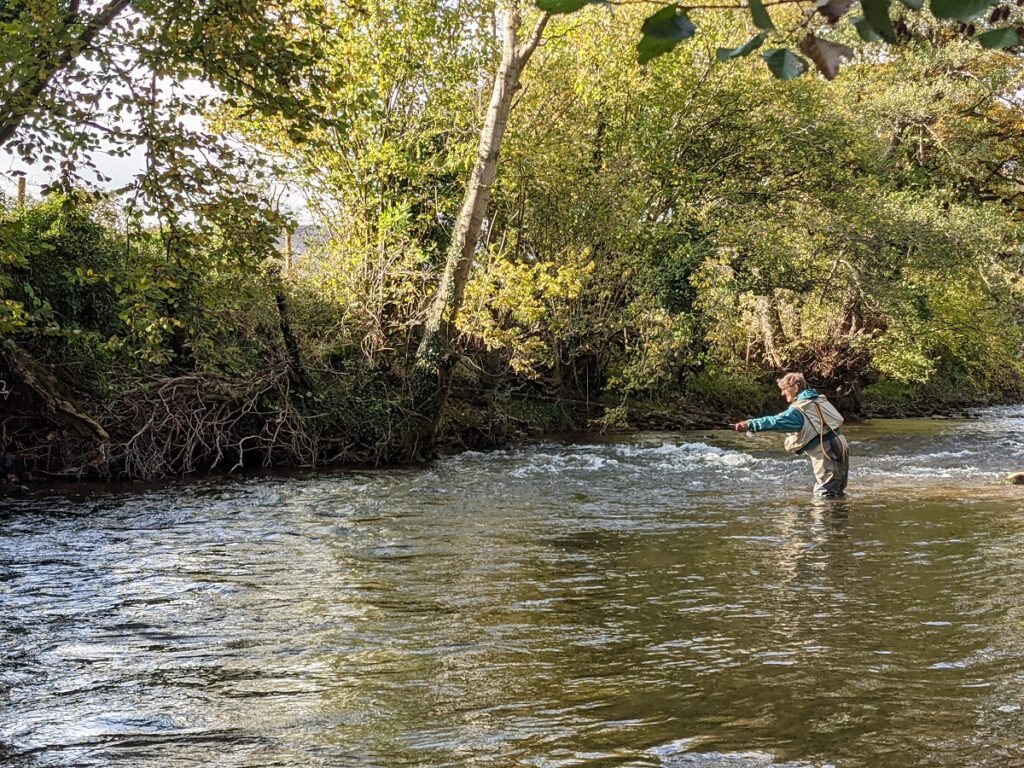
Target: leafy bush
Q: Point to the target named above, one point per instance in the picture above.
(732, 393)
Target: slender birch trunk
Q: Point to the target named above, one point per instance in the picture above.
(437, 353)
(771, 330)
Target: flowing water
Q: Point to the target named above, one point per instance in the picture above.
(673, 599)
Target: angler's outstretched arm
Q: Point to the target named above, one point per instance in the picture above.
(790, 420)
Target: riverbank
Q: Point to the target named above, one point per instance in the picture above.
(200, 425)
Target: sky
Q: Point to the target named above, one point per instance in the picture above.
(121, 171)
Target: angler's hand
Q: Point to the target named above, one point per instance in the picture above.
(741, 426)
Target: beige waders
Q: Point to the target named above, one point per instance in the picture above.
(831, 465)
(828, 450)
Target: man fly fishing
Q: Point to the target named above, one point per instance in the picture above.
(813, 424)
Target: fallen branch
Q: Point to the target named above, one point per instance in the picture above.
(46, 387)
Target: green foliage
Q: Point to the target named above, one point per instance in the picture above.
(731, 392)
(864, 30)
(106, 299)
(540, 413)
(760, 16)
(14, 252)
(359, 290)
(1004, 37)
(951, 385)
(95, 78)
(677, 232)
(564, 6)
(386, 189)
(876, 14)
(758, 226)
(60, 280)
(665, 28)
(525, 308)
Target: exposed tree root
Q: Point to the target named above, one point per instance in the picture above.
(199, 423)
(57, 407)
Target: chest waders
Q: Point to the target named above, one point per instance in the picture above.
(833, 448)
(819, 440)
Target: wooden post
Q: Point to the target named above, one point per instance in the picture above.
(21, 191)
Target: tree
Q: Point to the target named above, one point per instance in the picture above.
(82, 78)
(741, 223)
(79, 77)
(661, 33)
(436, 354)
(384, 192)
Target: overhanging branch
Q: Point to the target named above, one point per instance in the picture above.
(49, 63)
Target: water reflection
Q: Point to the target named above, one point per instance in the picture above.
(644, 605)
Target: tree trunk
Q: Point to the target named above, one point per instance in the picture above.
(437, 354)
(56, 406)
(771, 331)
(296, 370)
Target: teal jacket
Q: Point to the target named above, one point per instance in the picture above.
(790, 420)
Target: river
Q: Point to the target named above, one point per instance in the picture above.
(669, 599)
